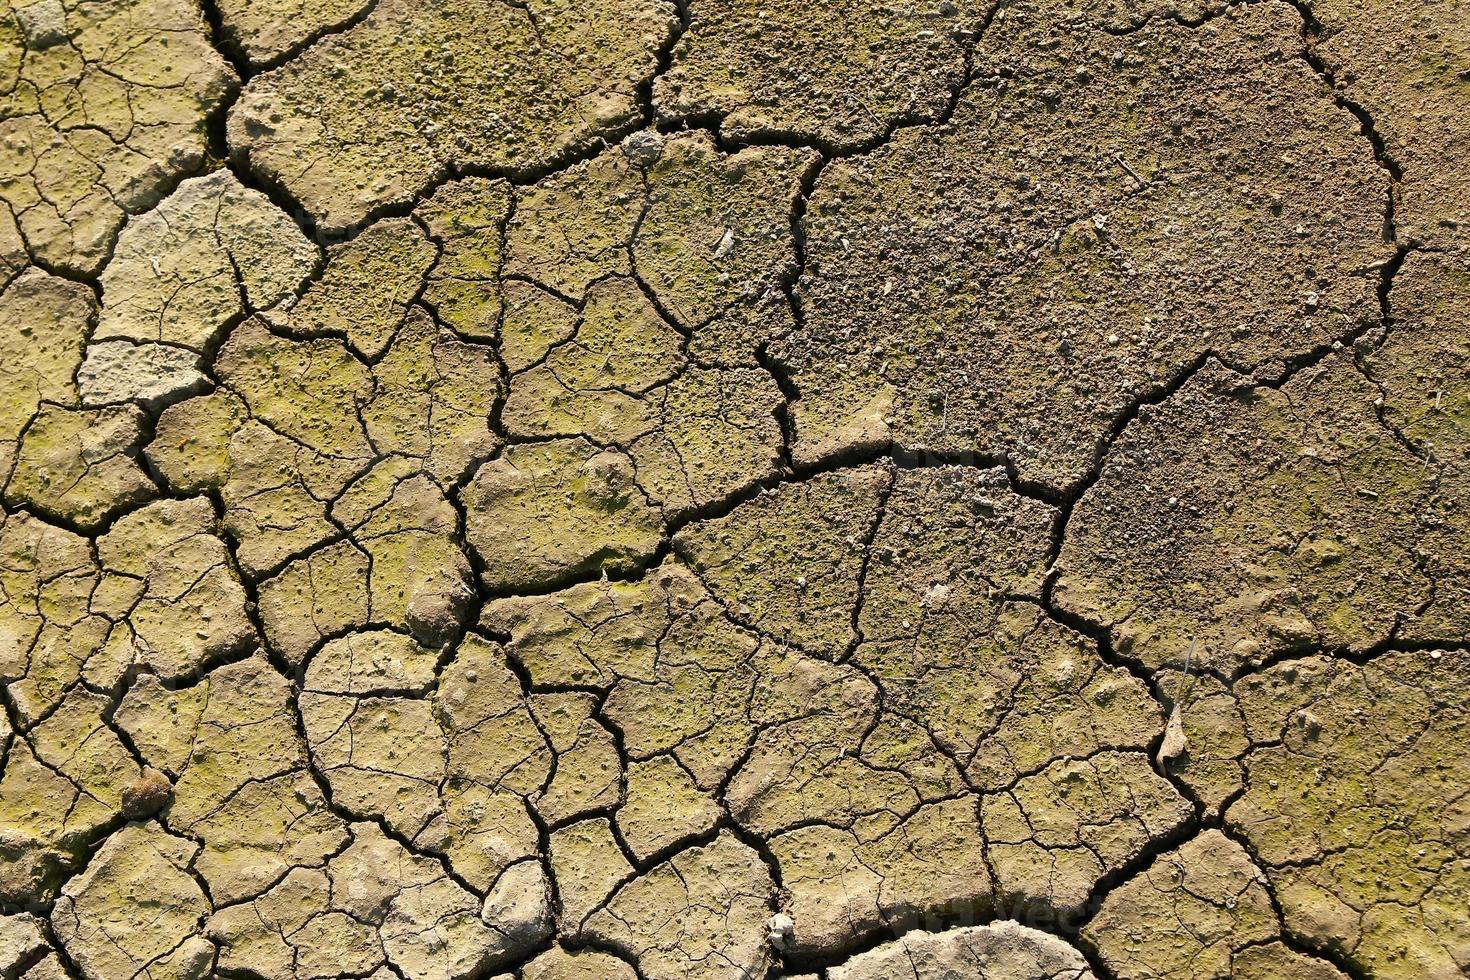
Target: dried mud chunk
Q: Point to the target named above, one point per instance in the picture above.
(211, 250)
(435, 932)
(560, 964)
(836, 758)
(48, 968)
(230, 745)
(262, 832)
(365, 291)
(717, 228)
(1405, 62)
(190, 450)
(375, 902)
(679, 674)
(789, 562)
(135, 910)
(718, 434)
(954, 698)
(1424, 363)
(372, 661)
(951, 541)
(63, 781)
(705, 230)
(43, 327)
(1189, 914)
(574, 227)
(371, 116)
(1004, 950)
(1277, 961)
(1239, 522)
(716, 898)
(545, 512)
(1211, 738)
(715, 688)
(269, 30)
(152, 374)
(1054, 835)
(21, 942)
(683, 678)
(324, 422)
(964, 293)
(663, 805)
(519, 906)
(620, 376)
(467, 218)
(588, 867)
(588, 776)
(170, 574)
(836, 74)
(314, 599)
(234, 727)
(847, 884)
(595, 382)
(95, 128)
(740, 336)
(381, 749)
(450, 768)
(294, 932)
(418, 578)
(596, 632)
(383, 756)
(48, 630)
(307, 391)
(1354, 803)
(1008, 691)
(535, 321)
(80, 465)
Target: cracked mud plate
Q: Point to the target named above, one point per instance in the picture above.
(733, 490)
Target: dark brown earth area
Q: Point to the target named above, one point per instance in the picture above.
(734, 490)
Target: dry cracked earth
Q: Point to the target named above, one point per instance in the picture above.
(734, 489)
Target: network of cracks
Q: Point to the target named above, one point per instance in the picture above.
(728, 491)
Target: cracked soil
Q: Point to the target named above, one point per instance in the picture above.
(734, 489)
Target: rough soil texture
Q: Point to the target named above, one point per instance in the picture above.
(731, 490)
